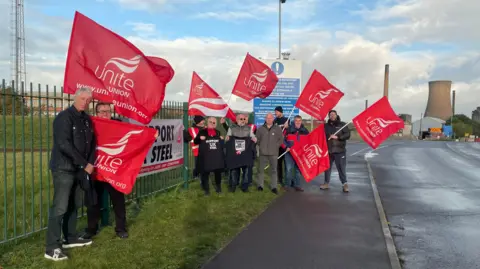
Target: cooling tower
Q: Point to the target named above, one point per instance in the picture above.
(439, 103)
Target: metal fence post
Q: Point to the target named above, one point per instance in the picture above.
(186, 170)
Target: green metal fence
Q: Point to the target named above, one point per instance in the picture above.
(26, 141)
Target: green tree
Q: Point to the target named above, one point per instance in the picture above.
(463, 124)
(11, 101)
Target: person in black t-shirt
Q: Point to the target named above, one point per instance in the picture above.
(210, 155)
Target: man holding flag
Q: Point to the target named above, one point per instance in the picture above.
(294, 134)
(337, 134)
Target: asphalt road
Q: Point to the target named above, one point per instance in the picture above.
(431, 195)
(314, 229)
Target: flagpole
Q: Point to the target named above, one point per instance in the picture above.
(288, 118)
(277, 159)
(341, 129)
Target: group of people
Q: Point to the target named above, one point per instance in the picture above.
(237, 152)
(73, 157)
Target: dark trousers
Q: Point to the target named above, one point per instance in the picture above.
(118, 201)
(340, 160)
(244, 180)
(280, 166)
(206, 183)
(195, 164)
(62, 217)
(249, 171)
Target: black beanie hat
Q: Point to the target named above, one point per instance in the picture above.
(279, 109)
(198, 119)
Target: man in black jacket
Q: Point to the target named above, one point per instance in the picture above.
(337, 144)
(73, 154)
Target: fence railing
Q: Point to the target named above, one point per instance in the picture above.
(25, 142)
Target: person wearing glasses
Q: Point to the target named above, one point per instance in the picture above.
(210, 155)
(103, 110)
(240, 148)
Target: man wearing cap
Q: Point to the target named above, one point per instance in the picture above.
(282, 122)
(189, 136)
(337, 144)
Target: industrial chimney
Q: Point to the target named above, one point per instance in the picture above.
(439, 103)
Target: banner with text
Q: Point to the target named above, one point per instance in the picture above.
(167, 151)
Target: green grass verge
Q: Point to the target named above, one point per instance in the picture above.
(27, 190)
(175, 230)
(26, 132)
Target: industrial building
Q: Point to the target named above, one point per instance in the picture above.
(426, 124)
(476, 114)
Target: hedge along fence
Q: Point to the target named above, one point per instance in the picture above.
(26, 140)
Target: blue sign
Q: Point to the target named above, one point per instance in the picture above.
(447, 130)
(261, 107)
(278, 68)
(287, 87)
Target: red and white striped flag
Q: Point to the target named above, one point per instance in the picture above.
(204, 101)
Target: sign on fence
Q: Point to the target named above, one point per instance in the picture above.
(167, 151)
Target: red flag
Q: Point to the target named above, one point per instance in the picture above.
(311, 154)
(121, 150)
(116, 70)
(377, 123)
(319, 96)
(205, 101)
(255, 79)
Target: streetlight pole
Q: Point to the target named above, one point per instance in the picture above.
(280, 2)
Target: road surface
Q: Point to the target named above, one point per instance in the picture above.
(430, 192)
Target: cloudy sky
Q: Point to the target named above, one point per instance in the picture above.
(349, 41)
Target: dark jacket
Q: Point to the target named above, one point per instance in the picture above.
(337, 145)
(239, 152)
(293, 134)
(210, 152)
(73, 141)
(280, 121)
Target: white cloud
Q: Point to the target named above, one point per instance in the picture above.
(452, 21)
(350, 60)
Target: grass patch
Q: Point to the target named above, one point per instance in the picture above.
(177, 230)
(26, 132)
(27, 190)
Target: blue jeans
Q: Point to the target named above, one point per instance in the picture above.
(235, 178)
(249, 171)
(289, 165)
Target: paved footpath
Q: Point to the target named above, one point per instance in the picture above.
(314, 229)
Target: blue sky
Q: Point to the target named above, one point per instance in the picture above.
(348, 41)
